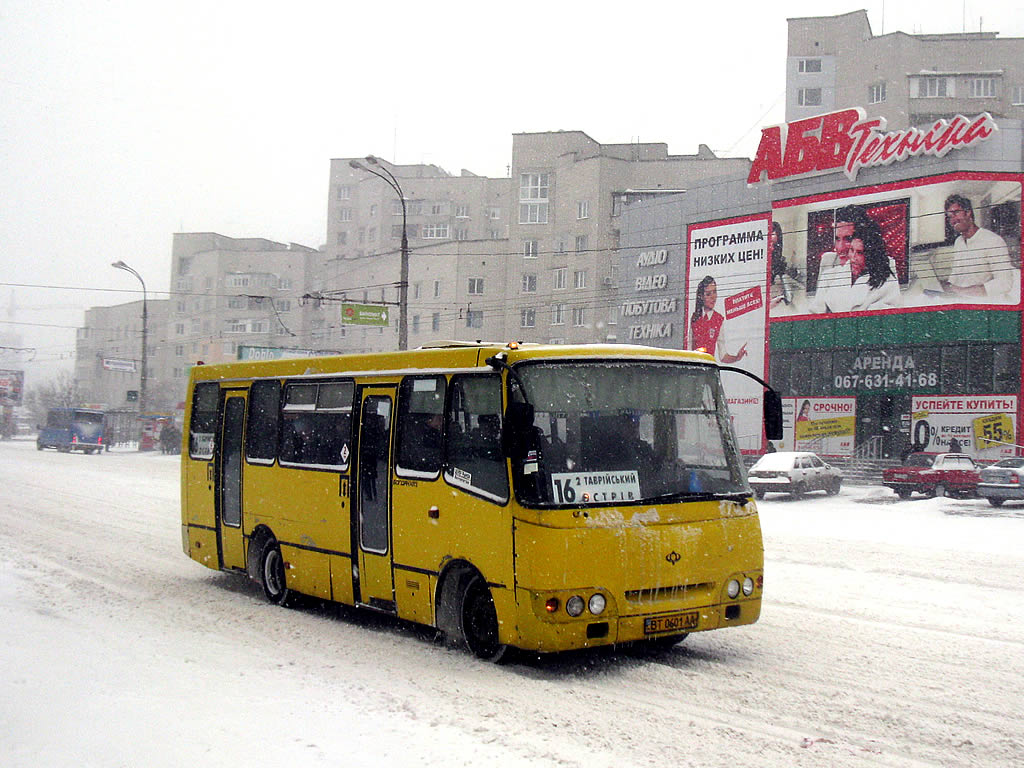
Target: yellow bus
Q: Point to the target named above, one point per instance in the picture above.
(544, 498)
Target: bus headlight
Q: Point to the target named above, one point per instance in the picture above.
(748, 586)
(574, 606)
(733, 589)
(597, 604)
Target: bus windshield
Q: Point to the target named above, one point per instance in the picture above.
(615, 432)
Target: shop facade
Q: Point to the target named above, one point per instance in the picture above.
(897, 329)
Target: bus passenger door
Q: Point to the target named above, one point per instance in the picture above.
(229, 482)
(372, 500)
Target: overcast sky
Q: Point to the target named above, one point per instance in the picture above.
(121, 124)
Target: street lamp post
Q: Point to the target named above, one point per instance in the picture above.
(403, 269)
(145, 320)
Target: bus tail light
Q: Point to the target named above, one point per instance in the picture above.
(551, 605)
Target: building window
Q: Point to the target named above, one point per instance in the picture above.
(435, 321)
(560, 278)
(533, 198)
(344, 192)
(530, 249)
(876, 93)
(475, 318)
(461, 233)
(435, 231)
(933, 88)
(809, 65)
(494, 234)
(983, 88)
(344, 214)
(529, 282)
(581, 243)
(613, 316)
(461, 211)
(417, 290)
(528, 318)
(809, 97)
(237, 302)
(373, 210)
(577, 316)
(371, 235)
(437, 289)
(583, 209)
(342, 238)
(1017, 96)
(476, 285)
(415, 323)
(491, 212)
(558, 314)
(579, 278)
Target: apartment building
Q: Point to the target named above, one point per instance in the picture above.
(231, 293)
(909, 79)
(108, 356)
(530, 257)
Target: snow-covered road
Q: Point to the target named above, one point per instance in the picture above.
(892, 634)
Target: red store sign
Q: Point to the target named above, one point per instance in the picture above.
(846, 140)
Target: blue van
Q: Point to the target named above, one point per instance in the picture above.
(70, 429)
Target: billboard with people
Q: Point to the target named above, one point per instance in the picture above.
(935, 243)
(727, 310)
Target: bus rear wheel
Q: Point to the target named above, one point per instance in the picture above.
(478, 621)
(272, 574)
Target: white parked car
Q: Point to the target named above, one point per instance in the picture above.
(795, 473)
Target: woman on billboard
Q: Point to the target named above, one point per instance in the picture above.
(874, 283)
(706, 325)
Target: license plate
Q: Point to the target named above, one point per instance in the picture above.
(676, 622)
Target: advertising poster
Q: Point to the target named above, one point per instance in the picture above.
(727, 311)
(980, 425)
(12, 384)
(824, 425)
(928, 244)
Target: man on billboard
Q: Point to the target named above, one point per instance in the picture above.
(981, 261)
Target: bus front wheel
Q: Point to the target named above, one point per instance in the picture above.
(479, 621)
(272, 574)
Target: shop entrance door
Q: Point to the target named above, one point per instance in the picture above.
(884, 420)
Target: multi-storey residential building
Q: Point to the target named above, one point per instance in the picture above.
(228, 292)
(108, 357)
(530, 257)
(836, 61)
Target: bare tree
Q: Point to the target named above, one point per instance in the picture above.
(59, 392)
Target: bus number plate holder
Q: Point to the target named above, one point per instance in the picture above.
(676, 622)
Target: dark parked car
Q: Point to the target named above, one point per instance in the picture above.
(793, 472)
(941, 474)
(1002, 481)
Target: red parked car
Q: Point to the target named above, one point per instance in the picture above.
(943, 474)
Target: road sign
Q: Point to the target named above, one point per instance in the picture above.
(364, 314)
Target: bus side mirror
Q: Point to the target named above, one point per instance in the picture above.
(772, 415)
(518, 428)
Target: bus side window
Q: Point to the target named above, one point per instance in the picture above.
(316, 426)
(203, 422)
(420, 418)
(473, 454)
(261, 425)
